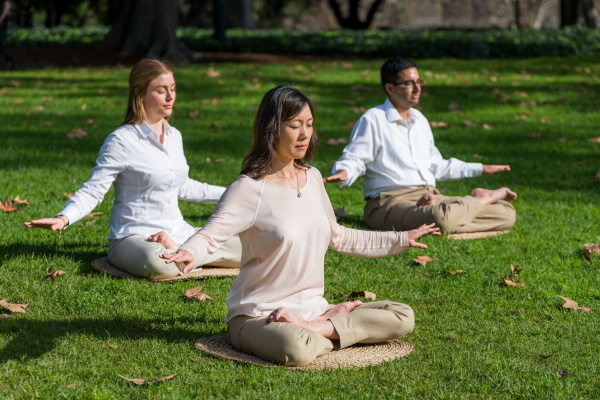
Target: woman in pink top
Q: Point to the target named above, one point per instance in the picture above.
(285, 221)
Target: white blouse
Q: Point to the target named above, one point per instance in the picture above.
(149, 179)
(284, 239)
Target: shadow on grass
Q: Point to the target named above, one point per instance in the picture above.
(34, 338)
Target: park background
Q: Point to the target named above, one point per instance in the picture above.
(512, 82)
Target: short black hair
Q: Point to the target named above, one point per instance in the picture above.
(392, 67)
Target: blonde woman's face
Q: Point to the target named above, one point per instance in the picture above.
(159, 98)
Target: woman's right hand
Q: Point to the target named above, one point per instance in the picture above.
(180, 256)
(54, 224)
(424, 229)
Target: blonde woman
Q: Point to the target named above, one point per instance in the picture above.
(144, 160)
(279, 207)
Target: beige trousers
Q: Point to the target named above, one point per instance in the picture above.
(139, 257)
(289, 344)
(397, 210)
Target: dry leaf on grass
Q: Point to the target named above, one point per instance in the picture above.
(18, 101)
(5, 316)
(573, 305)
(597, 176)
(516, 271)
(350, 124)
(219, 160)
(113, 101)
(77, 133)
(512, 282)
(544, 356)
(438, 124)
(141, 381)
(69, 195)
(18, 200)
(534, 135)
(590, 248)
(453, 106)
(7, 205)
(335, 142)
(486, 126)
(53, 274)
(20, 308)
(594, 140)
(340, 213)
(423, 260)
(468, 122)
(216, 128)
(73, 385)
(193, 114)
(195, 293)
(212, 101)
(562, 373)
(212, 72)
(362, 293)
(458, 271)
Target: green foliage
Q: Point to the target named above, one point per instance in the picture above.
(572, 41)
(475, 338)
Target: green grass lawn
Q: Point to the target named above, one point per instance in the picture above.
(475, 337)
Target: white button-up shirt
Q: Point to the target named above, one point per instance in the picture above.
(397, 154)
(149, 179)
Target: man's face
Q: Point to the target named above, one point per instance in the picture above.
(405, 92)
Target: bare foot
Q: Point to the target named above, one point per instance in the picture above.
(487, 196)
(426, 200)
(339, 310)
(163, 238)
(322, 327)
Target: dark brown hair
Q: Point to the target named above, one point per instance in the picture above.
(279, 104)
(141, 76)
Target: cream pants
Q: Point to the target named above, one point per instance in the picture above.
(289, 344)
(139, 257)
(397, 210)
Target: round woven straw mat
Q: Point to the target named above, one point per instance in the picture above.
(103, 265)
(356, 356)
(475, 235)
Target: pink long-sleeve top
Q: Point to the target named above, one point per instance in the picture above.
(284, 239)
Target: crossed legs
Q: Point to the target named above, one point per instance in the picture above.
(288, 339)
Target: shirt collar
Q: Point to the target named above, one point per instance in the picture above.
(393, 115)
(146, 131)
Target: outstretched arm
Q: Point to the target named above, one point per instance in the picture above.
(492, 169)
(340, 176)
(421, 231)
(54, 224)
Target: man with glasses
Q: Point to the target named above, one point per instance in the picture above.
(392, 144)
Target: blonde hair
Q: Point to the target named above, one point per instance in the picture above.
(140, 77)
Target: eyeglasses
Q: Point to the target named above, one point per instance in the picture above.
(409, 84)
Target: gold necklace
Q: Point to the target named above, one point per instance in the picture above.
(297, 189)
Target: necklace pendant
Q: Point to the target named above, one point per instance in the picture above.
(299, 194)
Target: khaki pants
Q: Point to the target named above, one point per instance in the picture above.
(139, 257)
(397, 210)
(289, 344)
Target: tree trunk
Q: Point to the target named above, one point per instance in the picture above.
(147, 28)
(571, 10)
(352, 21)
(239, 14)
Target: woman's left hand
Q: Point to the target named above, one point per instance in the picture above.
(180, 256)
(414, 234)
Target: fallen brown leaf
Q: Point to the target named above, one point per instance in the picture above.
(77, 133)
(89, 121)
(529, 103)
(164, 378)
(137, 381)
(458, 271)
(215, 127)
(362, 293)
(516, 271)
(47, 123)
(7, 205)
(93, 214)
(594, 139)
(18, 200)
(438, 124)
(350, 124)
(520, 94)
(573, 305)
(53, 274)
(39, 107)
(340, 213)
(597, 176)
(544, 356)
(358, 110)
(73, 385)
(477, 156)
(212, 72)
(562, 373)
(193, 114)
(219, 160)
(423, 260)
(346, 65)
(15, 83)
(486, 126)
(534, 135)
(20, 308)
(18, 101)
(590, 248)
(468, 122)
(69, 195)
(512, 282)
(195, 293)
(453, 106)
(5, 316)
